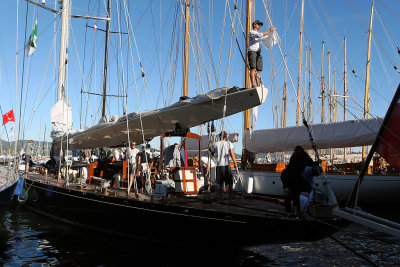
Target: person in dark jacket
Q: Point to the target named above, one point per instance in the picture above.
(292, 181)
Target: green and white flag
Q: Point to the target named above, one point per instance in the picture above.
(32, 42)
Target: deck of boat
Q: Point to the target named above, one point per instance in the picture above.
(241, 204)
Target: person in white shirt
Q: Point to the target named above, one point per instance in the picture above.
(207, 168)
(222, 150)
(118, 155)
(131, 155)
(254, 52)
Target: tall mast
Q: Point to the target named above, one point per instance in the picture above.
(103, 107)
(309, 89)
(284, 96)
(329, 88)
(305, 78)
(366, 96)
(63, 59)
(249, 20)
(334, 93)
(186, 52)
(330, 99)
(322, 86)
(345, 90)
(299, 64)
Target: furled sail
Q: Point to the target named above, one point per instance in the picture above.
(182, 115)
(61, 118)
(328, 135)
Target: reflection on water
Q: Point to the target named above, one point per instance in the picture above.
(27, 238)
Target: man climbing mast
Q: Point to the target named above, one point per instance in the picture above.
(254, 53)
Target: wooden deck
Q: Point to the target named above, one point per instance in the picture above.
(241, 204)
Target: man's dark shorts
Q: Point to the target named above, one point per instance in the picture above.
(255, 60)
(224, 175)
(27, 159)
(132, 168)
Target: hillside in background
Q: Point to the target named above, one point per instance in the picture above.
(5, 146)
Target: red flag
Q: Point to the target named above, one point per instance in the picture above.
(389, 144)
(9, 116)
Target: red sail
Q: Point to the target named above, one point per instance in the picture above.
(389, 143)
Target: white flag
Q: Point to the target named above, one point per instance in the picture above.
(254, 115)
(11, 132)
(270, 39)
(32, 42)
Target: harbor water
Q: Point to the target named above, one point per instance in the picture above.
(30, 239)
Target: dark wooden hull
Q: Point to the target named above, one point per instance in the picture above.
(6, 195)
(125, 217)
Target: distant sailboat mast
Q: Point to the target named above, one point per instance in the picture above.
(345, 91)
(299, 64)
(366, 97)
(284, 99)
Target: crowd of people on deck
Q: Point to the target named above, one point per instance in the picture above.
(214, 166)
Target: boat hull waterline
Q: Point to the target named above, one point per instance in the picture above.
(129, 217)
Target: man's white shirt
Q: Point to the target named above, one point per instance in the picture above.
(254, 40)
(131, 154)
(222, 148)
(204, 162)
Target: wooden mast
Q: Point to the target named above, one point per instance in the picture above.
(305, 78)
(366, 96)
(345, 91)
(103, 107)
(186, 52)
(335, 94)
(299, 64)
(330, 99)
(284, 99)
(309, 89)
(249, 21)
(329, 87)
(322, 86)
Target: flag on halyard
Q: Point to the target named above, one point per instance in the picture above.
(389, 143)
(9, 116)
(12, 130)
(32, 42)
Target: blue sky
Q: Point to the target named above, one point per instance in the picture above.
(157, 41)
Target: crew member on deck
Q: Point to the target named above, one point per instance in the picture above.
(28, 154)
(131, 155)
(292, 180)
(223, 149)
(144, 161)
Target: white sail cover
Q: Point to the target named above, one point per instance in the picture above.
(61, 118)
(329, 135)
(182, 115)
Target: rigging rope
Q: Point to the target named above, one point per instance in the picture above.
(23, 74)
(375, 38)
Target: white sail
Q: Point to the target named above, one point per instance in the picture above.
(182, 115)
(327, 135)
